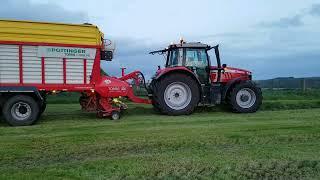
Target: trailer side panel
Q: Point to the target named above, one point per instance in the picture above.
(33, 65)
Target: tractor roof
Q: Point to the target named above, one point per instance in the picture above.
(190, 45)
(183, 45)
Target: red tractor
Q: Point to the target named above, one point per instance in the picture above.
(189, 80)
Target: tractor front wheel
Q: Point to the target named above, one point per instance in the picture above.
(245, 97)
(176, 94)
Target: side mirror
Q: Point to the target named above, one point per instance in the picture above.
(224, 65)
(107, 55)
(108, 50)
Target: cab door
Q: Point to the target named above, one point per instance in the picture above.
(197, 61)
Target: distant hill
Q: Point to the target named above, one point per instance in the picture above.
(291, 83)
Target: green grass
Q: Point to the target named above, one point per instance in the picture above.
(310, 94)
(290, 99)
(70, 144)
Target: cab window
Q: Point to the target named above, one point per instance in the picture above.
(196, 58)
(175, 58)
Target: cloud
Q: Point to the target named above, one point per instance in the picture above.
(296, 64)
(269, 50)
(132, 46)
(315, 10)
(50, 12)
(267, 55)
(130, 52)
(251, 50)
(133, 54)
(296, 20)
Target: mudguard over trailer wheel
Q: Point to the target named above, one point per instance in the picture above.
(21, 110)
(176, 94)
(245, 97)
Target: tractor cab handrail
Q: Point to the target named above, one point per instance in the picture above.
(159, 51)
(208, 48)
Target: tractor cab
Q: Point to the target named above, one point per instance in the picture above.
(193, 56)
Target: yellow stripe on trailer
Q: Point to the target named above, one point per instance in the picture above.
(43, 32)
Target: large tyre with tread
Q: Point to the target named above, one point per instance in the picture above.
(155, 104)
(156, 107)
(43, 107)
(245, 97)
(21, 110)
(176, 94)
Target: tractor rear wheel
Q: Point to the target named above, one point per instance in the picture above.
(245, 97)
(155, 105)
(176, 94)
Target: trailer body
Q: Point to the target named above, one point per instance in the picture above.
(49, 56)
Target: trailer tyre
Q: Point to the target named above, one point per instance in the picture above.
(245, 97)
(176, 94)
(21, 110)
(115, 115)
(43, 106)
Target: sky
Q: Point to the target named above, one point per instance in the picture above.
(271, 38)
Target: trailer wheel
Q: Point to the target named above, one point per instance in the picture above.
(43, 108)
(115, 115)
(245, 97)
(44, 105)
(21, 110)
(176, 94)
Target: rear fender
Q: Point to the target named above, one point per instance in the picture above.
(182, 70)
(8, 91)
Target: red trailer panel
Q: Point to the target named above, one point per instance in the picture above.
(48, 67)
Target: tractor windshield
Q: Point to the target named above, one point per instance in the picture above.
(196, 58)
(175, 58)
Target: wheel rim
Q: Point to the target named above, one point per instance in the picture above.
(21, 111)
(115, 116)
(246, 98)
(177, 95)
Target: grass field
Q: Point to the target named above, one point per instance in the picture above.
(280, 142)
